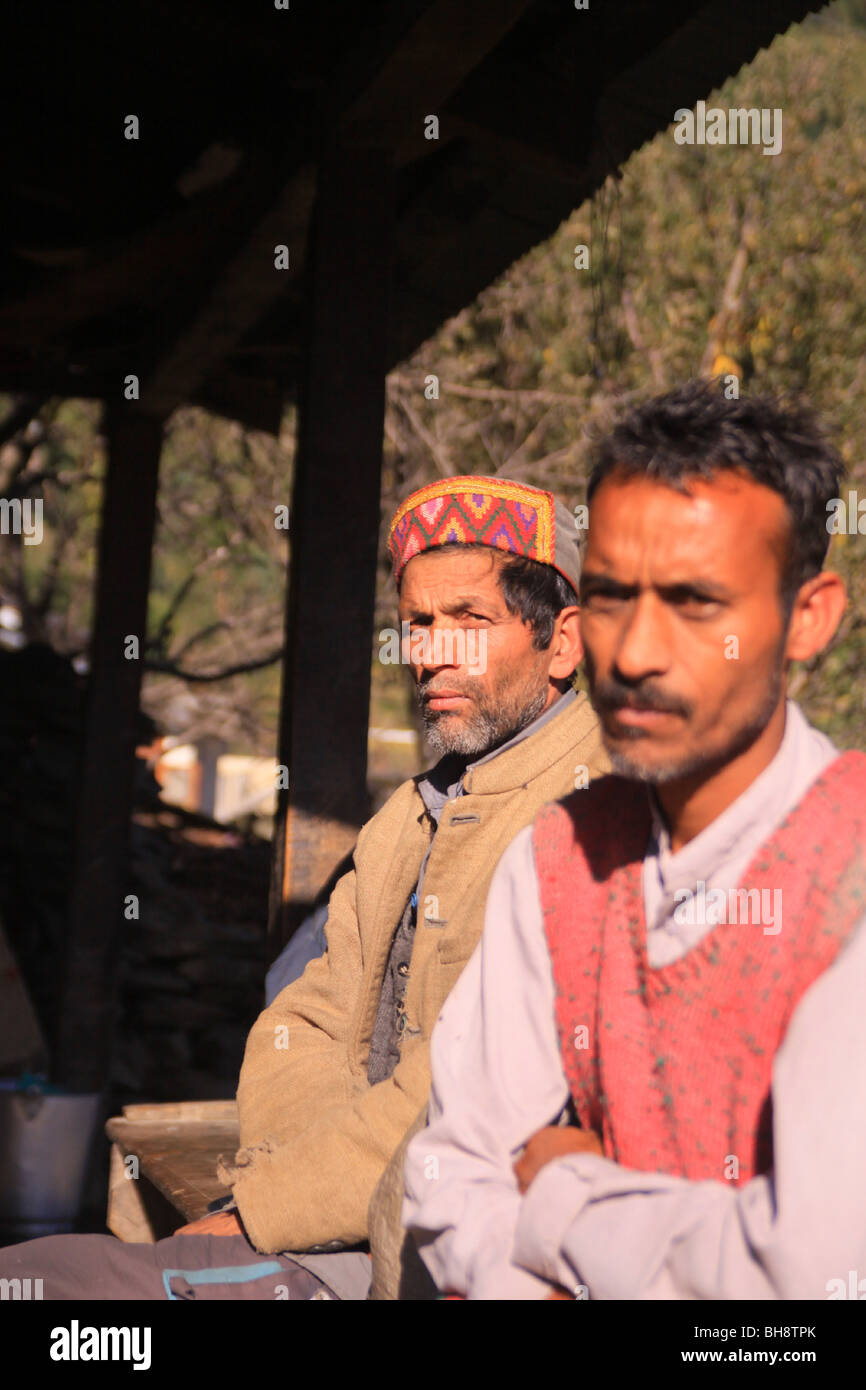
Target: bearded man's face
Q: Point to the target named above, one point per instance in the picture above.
(478, 678)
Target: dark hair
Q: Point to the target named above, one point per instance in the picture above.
(695, 432)
(536, 592)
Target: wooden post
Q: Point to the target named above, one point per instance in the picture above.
(96, 919)
(334, 530)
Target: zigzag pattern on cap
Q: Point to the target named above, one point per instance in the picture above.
(474, 511)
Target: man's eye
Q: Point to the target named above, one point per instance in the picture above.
(697, 603)
(600, 600)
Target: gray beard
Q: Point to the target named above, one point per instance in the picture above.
(484, 730)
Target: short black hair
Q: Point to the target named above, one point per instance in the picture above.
(538, 593)
(535, 592)
(696, 432)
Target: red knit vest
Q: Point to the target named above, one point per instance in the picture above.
(672, 1067)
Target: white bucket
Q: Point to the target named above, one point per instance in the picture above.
(45, 1145)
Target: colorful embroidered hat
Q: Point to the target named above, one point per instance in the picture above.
(474, 510)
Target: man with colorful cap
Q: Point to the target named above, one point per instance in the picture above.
(336, 1070)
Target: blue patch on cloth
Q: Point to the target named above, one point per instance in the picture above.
(230, 1274)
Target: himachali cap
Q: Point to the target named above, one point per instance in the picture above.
(472, 510)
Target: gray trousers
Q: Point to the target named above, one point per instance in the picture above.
(189, 1267)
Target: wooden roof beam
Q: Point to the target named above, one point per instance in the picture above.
(423, 69)
(247, 286)
(447, 41)
(160, 254)
(550, 126)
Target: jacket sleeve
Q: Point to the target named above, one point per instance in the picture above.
(316, 1138)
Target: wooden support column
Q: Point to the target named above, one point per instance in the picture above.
(96, 920)
(334, 530)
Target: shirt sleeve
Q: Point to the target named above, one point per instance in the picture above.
(796, 1232)
(497, 1077)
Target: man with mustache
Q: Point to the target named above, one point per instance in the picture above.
(336, 1070)
(708, 1044)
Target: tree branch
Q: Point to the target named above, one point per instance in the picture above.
(629, 314)
(24, 409)
(168, 668)
(495, 393)
(440, 454)
(200, 637)
(731, 292)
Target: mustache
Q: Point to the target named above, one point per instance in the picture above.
(426, 689)
(611, 694)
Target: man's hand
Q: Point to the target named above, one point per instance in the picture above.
(217, 1223)
(550, 1143)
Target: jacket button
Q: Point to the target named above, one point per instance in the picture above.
(402, 968)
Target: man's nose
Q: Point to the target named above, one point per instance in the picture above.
(643, 647)
(435, 648)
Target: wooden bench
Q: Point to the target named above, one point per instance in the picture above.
(176, 1147)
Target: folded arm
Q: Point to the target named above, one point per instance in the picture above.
(788, 1234)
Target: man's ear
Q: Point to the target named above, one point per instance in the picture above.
(817, 613)
(566, 647)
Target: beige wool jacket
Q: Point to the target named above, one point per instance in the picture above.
(316, 1137)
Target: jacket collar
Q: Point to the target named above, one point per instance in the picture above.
(527, 755)
(530, 757)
